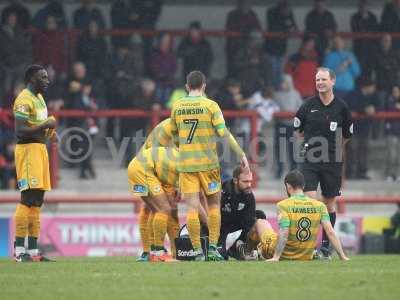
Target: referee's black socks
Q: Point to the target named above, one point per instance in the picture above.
(325, 240)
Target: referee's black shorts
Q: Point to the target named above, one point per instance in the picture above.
(328, 175)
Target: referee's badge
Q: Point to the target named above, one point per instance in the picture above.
(296, 122)
(333, 126)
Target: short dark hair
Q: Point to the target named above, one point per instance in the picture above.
(195, 25)
(236, 172)
(260, 214)
(365, 81)
(307, 38)
(232, 82)
(295, 178)
(31, 71)
(332, 73)
(195, 80)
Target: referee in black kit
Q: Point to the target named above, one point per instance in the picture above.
(325, 123)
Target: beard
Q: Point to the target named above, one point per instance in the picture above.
(246, 190)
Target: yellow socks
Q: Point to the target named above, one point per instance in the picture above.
(160, 224)
(34, 222)
(144, 235)
(193, 226)
(214, 224)
(173, 230)
(150, 230)
(33, 230)
(21, 221)
(21, 228)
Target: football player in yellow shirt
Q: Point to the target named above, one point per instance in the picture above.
(32, 128)
(160, 136)
(153, 176)
(198, 123)
(299, 219)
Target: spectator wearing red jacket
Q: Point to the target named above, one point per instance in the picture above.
(302, 66)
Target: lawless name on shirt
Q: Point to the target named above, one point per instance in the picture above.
(303, 210)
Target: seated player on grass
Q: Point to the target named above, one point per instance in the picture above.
(153, 177)
(299, 218)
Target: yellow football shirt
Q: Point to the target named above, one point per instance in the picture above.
(31, 108)
(161, 135)
(302, 216)
(198, 122)
(162, 162)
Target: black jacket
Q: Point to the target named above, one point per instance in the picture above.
(238, 211)
(196, 56)
(357, 102)
(390, 21)
(279, 22)
(93, 52)
(363, 47)
(386, 66)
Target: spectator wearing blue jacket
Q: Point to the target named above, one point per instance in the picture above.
(345, 65)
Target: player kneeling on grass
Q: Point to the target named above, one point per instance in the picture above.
(153, 177)
(299, 219)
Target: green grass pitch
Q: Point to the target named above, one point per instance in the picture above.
(364, 277)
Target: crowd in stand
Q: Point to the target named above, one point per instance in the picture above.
(141, 72)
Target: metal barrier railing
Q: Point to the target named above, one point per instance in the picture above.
(154, 116)
(135, 201)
